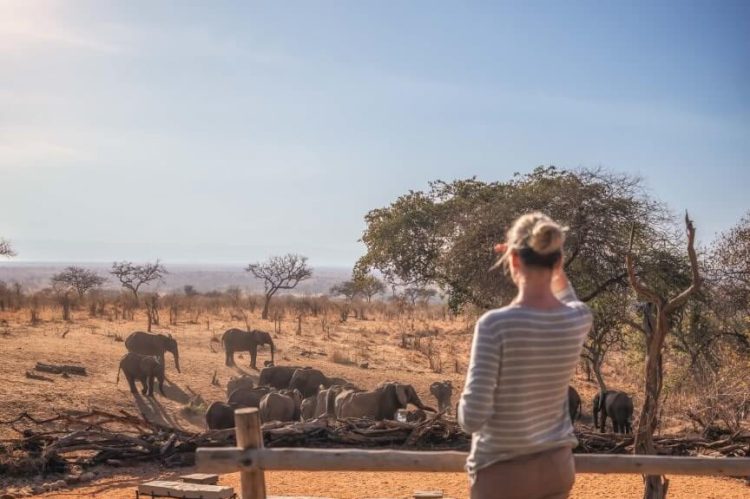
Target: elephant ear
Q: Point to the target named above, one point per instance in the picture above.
(402, 394)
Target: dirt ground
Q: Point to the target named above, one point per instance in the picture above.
(93, 344)
(401, 485)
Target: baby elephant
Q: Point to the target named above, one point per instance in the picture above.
(144, 368)
(618, 406)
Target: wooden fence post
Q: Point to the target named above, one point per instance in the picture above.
(250, 436)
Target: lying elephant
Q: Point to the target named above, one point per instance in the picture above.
(307, 408)
(380, 403)
(277, 376)
(309, 381)
(220, 416)
(247, 397)
(616, 405)
(281, 406)
(235, 383)
(145, 368)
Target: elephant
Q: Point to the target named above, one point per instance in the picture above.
(616, 405)
(247, 397)
(145, 368)
(237, 340)
(308, 381)
(220, 416)
(277, 376)
(308, 408)
(380, 403)
(574, 404)
(153, 344)
(283, 405)
(325, 402)
(442, 391)
(235, 383)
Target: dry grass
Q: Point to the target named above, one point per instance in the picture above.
(336, 348)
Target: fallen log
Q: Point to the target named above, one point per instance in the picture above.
(37, 377)
(61, 369)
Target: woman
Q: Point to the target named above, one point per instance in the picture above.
(522, 358)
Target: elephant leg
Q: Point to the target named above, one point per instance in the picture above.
(161, 385)
(253, 356)
(131, 382)
(144, 382)
(150, 386)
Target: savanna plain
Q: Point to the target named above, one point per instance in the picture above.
(370, 344)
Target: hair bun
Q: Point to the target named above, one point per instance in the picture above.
(546, 237)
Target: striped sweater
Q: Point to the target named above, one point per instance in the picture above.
(515, 401)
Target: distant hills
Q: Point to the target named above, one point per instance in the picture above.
(204, 277)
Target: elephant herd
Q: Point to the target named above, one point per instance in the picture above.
(293, 393)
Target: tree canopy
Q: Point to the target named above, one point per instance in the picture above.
(445, 235)
(77, 279)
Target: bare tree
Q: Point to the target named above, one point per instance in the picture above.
(6, 249)
(656, 328)
(133, 277)
(280, 272)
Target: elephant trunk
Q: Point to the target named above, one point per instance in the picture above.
(417, 402)
(177, 361)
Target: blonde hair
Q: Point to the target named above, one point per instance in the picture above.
(536, 232)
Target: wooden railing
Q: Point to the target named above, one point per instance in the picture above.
(251, 460)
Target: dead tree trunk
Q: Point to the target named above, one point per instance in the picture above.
(657, 327)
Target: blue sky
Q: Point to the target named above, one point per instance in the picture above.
(230, 131)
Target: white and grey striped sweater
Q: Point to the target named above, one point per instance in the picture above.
(515, 401)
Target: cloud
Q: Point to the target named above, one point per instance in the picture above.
(31, 24)
(18, 149)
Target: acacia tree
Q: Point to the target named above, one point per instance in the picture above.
(656, 327)
(6, 249)
(369, 286)
(133, 277)
(347, 289)
(444, 236)
(78, 279)
(74, 280)
(280, 272)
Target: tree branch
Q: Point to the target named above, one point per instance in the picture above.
(639, 287)
(695, 285)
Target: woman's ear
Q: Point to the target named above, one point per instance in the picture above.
(514, 265)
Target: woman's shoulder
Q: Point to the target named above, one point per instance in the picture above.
(514, 313)
(498, 315)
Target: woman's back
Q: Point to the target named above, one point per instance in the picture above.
(515, 399)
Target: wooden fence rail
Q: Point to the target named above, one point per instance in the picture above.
(251, 459)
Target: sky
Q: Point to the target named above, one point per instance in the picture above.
(231, 131)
